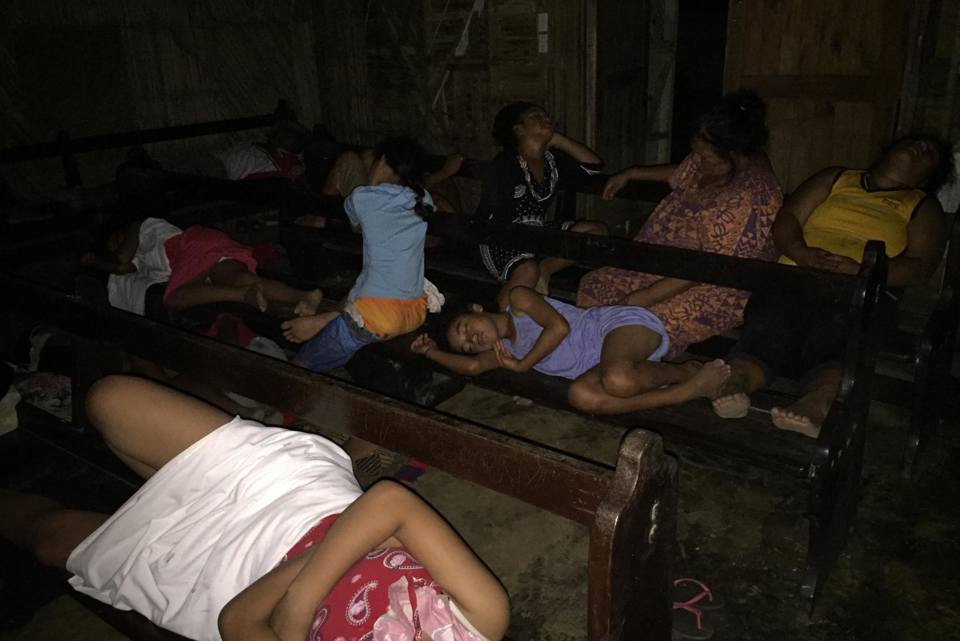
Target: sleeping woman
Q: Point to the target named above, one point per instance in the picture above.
(257, 533)
(612, 354)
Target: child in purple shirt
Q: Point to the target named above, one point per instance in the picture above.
(612, 354)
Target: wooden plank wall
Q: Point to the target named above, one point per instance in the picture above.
(831, 74)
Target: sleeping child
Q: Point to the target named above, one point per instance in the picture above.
(612, 354)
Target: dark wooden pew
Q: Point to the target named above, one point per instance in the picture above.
(827, 468)
(630, 509)
(926, 350)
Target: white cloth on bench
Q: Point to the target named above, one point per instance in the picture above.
(213, 520)
(128, 291)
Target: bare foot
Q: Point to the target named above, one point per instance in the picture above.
(732, 400)
(309, 303)
(805, 416)
(708, 379)
(732, 405)
(303, 328)
(254, 296)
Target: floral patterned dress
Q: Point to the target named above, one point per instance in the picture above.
(735, 219)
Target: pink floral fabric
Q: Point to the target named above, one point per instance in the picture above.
(735, 219)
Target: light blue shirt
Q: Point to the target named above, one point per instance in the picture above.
(393, 241)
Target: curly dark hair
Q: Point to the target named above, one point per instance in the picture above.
(506, 119)
(736, 125)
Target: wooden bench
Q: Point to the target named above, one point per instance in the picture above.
(926, 349)
(630, 509)
(828, 468)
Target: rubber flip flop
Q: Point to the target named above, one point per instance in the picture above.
(696, 593)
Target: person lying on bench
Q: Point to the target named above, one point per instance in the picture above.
(612, 354)
(388, 298)
(520, 187)
(200, 266)
(825, 224)
(724, 199)
(249, 532)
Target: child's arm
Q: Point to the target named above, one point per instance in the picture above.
(457, 363)
(388, 515)
(524, 300)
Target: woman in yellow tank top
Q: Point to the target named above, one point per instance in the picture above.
(825, 224)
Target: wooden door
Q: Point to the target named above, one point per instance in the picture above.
(831, 74)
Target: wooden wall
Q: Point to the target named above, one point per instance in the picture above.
(830, 71)
(100, 66)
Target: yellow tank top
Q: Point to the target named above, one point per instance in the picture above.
(852, 215)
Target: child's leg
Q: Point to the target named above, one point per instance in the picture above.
(526, 274)
(233, 273)
(146, 424)
(298, 330)
(230, 281)
(733, 400)
(45, 527)
(625, 381)
(549, 266)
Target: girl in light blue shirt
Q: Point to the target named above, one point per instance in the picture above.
(387, 298)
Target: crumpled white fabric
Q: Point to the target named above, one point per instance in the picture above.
(435, 299)
(439, 617)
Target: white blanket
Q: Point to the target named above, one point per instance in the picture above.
(128, 291)
(212, 521)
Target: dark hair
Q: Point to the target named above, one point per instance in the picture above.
(408, 160)
(943, 173)
(506, 119)
(114, 223)
(736, 124)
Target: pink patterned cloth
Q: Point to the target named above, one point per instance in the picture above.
(735, 219)
(385, 596)
(196, 250)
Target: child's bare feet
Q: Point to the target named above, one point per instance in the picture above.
(708, 379)
(254, 296)
(309, 303)
(732, 400)
(298, 330)
(735, 405)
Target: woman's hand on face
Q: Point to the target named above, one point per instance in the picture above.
(614, 184)
(506, 359)
(422, 344)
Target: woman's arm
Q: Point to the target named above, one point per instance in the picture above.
(457, 363)
(576, 150)
(451, 167)
(555, 327)
(650, 173)
(385, 516)
(788, 225)
(926, 238)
